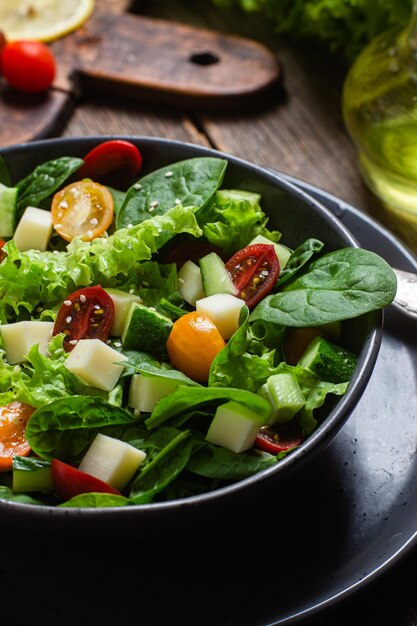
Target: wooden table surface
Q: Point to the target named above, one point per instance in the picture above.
(303, 135)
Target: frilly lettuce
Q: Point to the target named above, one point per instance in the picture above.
(33, 281)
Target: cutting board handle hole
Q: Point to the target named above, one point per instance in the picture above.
(204, 58)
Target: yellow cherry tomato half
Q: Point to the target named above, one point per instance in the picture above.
(82, 209)
(192, 345)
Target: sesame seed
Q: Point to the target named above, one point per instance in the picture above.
(169, 174)
(59, 351)
(89, 234)
(83, 298)
(94, 221)
(152, 308)
(131, 291)
(63, 204)
(117, 344)
(181, 281)
(67, 302)
(68, 319)
(177, 201)
(154, 203)
(137, 186)
(73, 342)
(130, 226)
(58, 226)
(16, 369)
(55, 252)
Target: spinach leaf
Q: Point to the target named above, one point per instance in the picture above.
(144, 363)
(162, 469)
(217, 462)
(95, 501)
(300, 256)
(8, 494)
(5, 177)
(44, 181)
(338, 286)
(184, 398)
(67, 426)
(192, 181)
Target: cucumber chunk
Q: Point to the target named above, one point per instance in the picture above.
(283, 253)
(146, 391)
(8, 201)
(190, 284)
(328, 361)
(215, 277)
(122, 301)
(31, 474)
(145, 329)
(285, 396)
(234, 427)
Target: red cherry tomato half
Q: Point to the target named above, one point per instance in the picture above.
(3, 254)
(86, 314)
(115, 162)
(280, 438)
(192, 251)
(28, 65)
(68, 481)
(254, 271)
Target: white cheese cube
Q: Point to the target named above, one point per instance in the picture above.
(223, 309)
(190, 284)
(122, 302)
(19, 337)
(96, 363)
(112, 460)
(34, 230)
(146, 391)
(234, 427)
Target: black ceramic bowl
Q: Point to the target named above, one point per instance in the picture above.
(298, 216)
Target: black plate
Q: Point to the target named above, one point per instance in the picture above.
(307, 547)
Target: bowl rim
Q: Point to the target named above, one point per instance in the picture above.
(316, 442)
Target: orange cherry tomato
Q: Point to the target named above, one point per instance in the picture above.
(82, 209)
(192, 345)
(13, 442)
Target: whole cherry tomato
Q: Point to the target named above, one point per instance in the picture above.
(276, 439)
(88, 313)
(115, 162)
(254, 271)
(192, 345)
(28, 65)
(68, 481)
(13, 442)
(82, 209)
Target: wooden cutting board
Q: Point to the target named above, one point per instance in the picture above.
(153, 60)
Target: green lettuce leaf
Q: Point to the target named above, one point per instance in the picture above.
(233, 219)
(32, 281)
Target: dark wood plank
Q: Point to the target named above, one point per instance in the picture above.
(108, 115)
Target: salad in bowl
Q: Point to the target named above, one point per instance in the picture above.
(174, 324)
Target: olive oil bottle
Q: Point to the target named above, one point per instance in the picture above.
(379, 104)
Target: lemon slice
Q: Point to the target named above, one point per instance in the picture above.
(42, 20)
